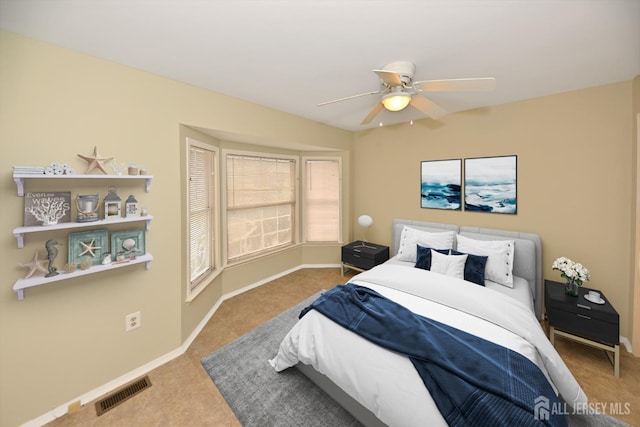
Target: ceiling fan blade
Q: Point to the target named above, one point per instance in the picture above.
(448, 85)
(389, 77)
(427, 106)
(374, 112)
(348, 97)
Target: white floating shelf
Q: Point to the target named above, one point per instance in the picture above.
(20, 177)
(19, 232)
(32, 281)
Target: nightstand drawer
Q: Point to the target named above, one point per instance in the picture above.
(580, 306)
(359, 259)
(584, 325)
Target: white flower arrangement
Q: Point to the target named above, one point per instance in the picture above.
(572, 271)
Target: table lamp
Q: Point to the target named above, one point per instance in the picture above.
(365, 221)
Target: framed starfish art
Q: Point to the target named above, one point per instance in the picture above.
(88, 245)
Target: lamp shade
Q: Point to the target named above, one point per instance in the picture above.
(396, 101)
(365, 221)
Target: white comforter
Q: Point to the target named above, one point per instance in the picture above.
(386, 382)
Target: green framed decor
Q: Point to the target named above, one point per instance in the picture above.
(91, 244)
(128, 242)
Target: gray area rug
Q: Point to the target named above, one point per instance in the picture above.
(261, 397)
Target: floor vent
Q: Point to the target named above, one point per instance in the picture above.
(121, 395)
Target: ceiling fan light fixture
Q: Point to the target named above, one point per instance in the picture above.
(396, 101)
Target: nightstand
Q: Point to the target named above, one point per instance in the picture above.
(597, 325)
(361, 256)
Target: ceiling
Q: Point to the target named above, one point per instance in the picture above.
(293, 54)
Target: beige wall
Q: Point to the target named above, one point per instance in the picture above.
(574, 177)
(66, 339)
(575, 174)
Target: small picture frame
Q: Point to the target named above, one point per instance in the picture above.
(130, 243)
(91, 245)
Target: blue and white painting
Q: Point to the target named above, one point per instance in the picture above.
(440, 184)
(490, 184)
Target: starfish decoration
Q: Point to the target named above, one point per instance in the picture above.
(36, 265)
(89, 248)
(95, 161)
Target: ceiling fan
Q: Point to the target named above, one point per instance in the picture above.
(398, 90)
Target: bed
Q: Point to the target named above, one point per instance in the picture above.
(382, 386)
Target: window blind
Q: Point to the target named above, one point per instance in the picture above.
(201, 212)
(322, 200)
(261, 199)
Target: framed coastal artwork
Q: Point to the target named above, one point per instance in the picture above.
(440, 184)
(490, 184)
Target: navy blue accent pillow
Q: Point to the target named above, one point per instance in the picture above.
(423, 256)
(474, 267)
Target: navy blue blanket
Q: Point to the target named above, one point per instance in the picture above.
(473, 382)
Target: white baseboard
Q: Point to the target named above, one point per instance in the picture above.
(148, 367)
(626, 343)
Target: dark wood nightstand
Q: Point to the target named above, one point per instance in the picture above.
(361, 256)
(576, 318)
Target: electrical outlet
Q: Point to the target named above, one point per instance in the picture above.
(133, 321)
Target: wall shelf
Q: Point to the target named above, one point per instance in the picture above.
(22, 284)
(20, 177)
(19, 232)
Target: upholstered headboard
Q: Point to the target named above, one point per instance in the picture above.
(527, 261)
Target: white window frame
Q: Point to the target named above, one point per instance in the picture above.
(306, 159)
(197, 285)
(296, 204)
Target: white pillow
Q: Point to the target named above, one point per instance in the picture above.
(411, 237)
(499, 266)
(450, 265)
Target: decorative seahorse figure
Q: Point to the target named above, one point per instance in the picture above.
(52, 253)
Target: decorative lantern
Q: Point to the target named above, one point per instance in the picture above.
(131, 207)
(87, 206)
(112, 205)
